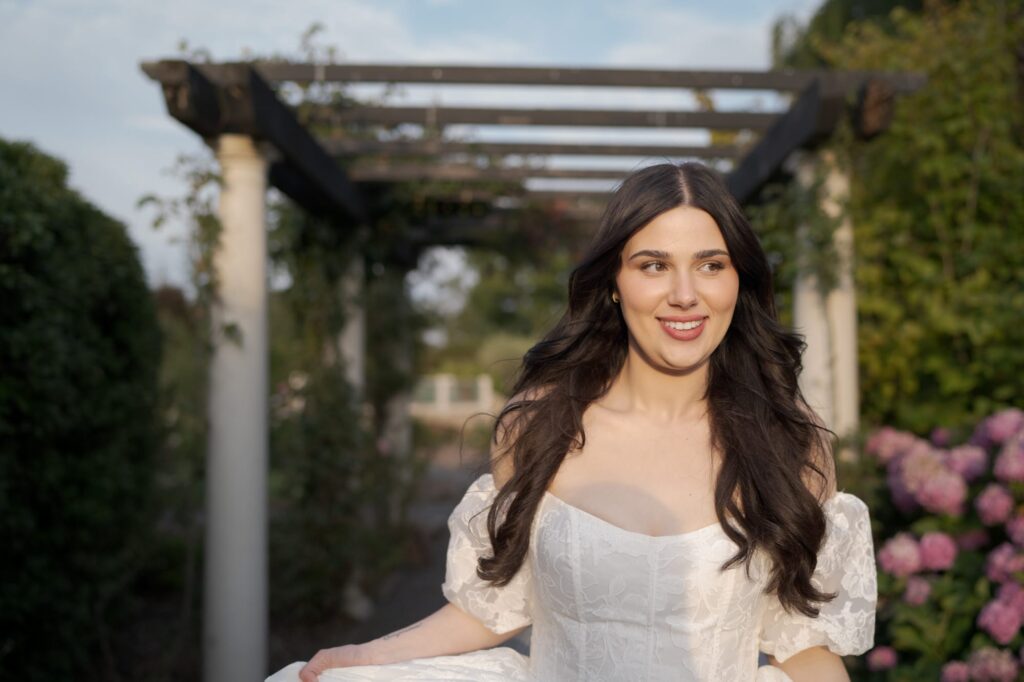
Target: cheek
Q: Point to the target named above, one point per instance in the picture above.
(639, 294)
(725, 294)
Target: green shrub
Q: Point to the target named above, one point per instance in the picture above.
(938, 216)
(79, 348)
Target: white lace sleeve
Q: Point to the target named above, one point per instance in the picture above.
(500, 609)
(846, 567)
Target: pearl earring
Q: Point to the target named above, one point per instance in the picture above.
(615, 298)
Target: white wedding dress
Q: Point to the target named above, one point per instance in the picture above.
(607, 604)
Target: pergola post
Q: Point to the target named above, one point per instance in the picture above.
(352, 340)
(809, 316)
(235, 595)
(828, 320)
(841, 305)
(398, 420)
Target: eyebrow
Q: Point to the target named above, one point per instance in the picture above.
(699, 255)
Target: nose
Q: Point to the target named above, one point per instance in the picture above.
(683, 292)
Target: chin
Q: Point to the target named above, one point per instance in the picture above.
(682, 366)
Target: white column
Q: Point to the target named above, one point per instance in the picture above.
(235, 595)
(352, 342)
(809, 316)
(829, 322)
(484, 392)
(443, 385)
(841, 304)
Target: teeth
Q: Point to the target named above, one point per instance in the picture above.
(683, 326)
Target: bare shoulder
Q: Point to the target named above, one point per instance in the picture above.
(506, 434)
(821, 479)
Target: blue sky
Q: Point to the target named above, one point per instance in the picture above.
(71, 84)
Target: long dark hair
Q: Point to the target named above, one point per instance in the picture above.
(759, 421)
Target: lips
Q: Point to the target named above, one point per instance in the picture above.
(683, 328)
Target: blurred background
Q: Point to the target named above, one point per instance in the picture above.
(390, 350)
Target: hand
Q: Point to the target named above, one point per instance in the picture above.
(336, 657)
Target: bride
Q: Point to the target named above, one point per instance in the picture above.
(662, 502)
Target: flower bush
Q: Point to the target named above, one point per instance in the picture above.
(951, 553)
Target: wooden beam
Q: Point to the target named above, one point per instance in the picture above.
(354, 147)
(876, 105)
(384, 172)
(214, 99)
(232, 98)
(787, 80)
(570, 196)
(811, 118)
(601, 118)
(190, 97)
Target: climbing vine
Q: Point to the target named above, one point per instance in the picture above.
(937, 213)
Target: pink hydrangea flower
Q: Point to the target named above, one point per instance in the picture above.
(1009, 464)
(1015, 530)
(1003, 562)
(938, 551)
(944, 493)
(1012, 594)
(956, 671)
(970, 461)
(933, 485)
(1004, 424)
(900, 555)
(887, 443)
(940, 437)
(881, 658)
(972, 539)
(918, 590)
(902, 498)
(994, 504)
(1000, 620)
(990, 664)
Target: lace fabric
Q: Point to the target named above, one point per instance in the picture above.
(608, 604)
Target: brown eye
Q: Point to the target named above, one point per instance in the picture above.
(653, 266)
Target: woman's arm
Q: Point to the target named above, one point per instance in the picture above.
(449, 630)
(816, 664)
(446, 631)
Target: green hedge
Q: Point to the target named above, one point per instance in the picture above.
(938, 216)
(79, 348)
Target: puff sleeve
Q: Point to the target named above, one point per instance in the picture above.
(846, 567)
(500, 609)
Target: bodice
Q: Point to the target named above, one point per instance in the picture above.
(611, 604)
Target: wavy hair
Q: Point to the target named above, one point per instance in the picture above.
(759, 422)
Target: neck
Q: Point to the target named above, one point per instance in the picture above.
(641, 387)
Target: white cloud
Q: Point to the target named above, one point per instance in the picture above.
(684, 38)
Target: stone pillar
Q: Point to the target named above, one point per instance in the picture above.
(352, 340)
(829, 321)
(235, 595)
(443, 385)
(809, 317)
(484, 392)
(841, 305)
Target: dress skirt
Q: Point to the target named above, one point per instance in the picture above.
(490, 665)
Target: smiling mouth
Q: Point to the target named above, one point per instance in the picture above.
(683, 326)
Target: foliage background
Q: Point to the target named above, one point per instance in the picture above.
(936, 206)
(80, 351)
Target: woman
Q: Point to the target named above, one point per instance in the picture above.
(662, 503)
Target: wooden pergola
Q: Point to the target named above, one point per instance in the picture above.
(259, 140)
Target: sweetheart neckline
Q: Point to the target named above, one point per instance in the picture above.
(833, 500)
(647, 536)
